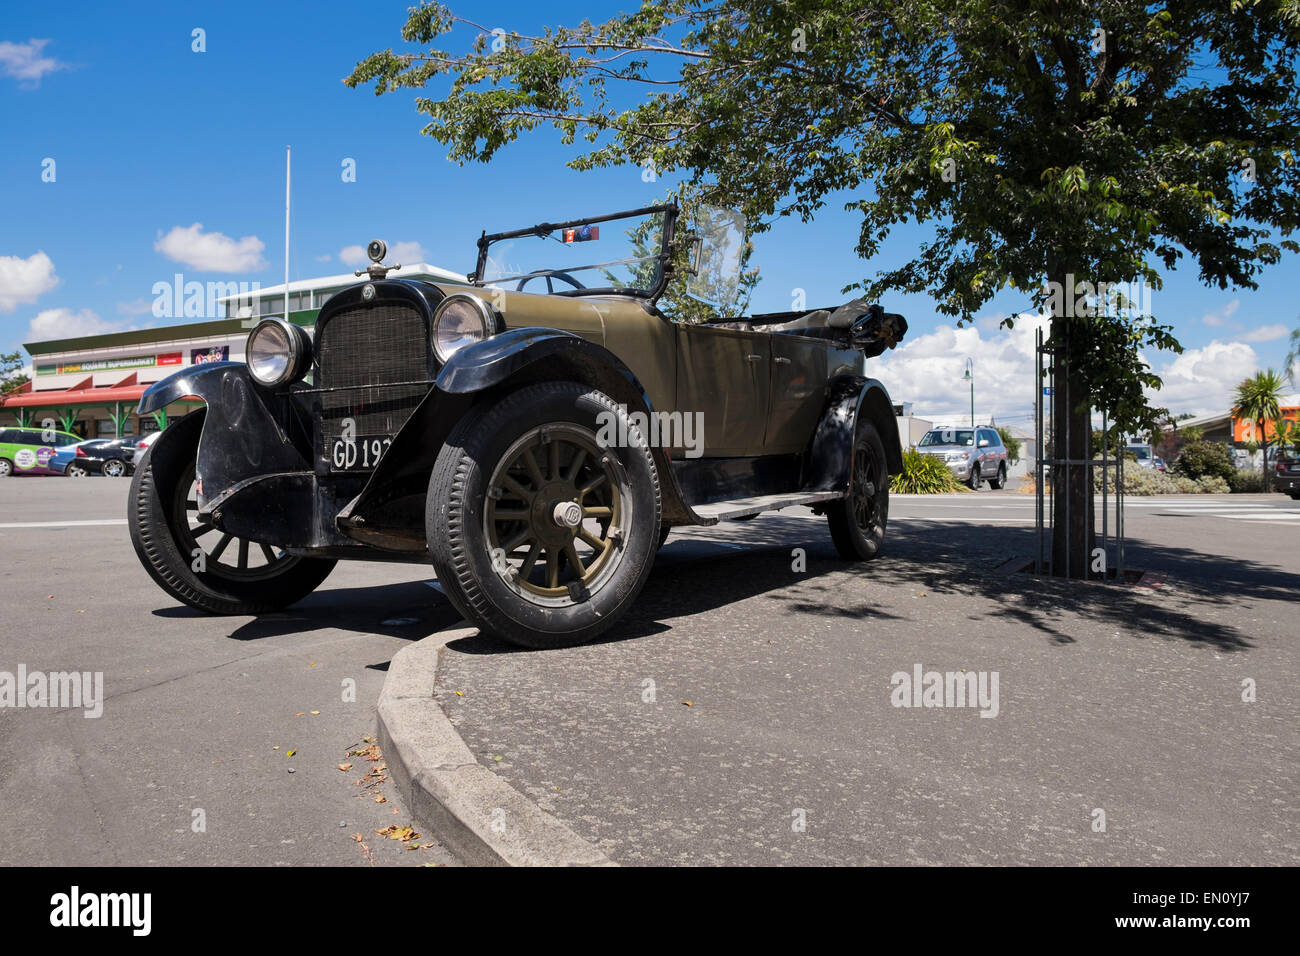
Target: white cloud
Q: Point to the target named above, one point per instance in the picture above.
(1200, 381)
(67, 324)
(24, 62)
(24, 280)
(403, 253)
(211, 251)
(1221, 316)
(927, 371)
(1266, 333)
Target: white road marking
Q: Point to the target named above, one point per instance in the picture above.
(64, 524)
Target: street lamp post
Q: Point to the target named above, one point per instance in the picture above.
(969, 376)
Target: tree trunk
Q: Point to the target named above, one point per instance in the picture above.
(1263, 450)
(1072, 512)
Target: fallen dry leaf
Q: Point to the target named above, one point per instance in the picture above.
(345, 767)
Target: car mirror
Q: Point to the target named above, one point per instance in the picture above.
(984, 443)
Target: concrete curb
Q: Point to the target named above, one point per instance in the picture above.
(465, 806)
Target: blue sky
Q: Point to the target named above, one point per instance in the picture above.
(149, 138)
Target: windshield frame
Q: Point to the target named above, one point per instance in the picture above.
(544, 229)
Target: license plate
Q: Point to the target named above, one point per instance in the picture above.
(361, 452)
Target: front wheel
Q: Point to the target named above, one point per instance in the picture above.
(77, 471)
(1001, 479)
(858, 520)
(975, 477)
(192, 560)
(541, 532)
(6, 467)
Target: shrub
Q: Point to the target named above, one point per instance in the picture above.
(1247, 482)
(923, 475)
(1201, 458)
(1212, 485)
(1148, 481)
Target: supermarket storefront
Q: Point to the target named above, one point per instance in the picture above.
(92, 385)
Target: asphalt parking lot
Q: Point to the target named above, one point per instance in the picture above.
(743, 713)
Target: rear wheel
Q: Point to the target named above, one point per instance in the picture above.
(540, 534)
(858, 521)
(190, 558)
(114, 468)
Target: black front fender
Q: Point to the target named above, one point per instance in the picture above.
(241, 438)
(513, 358)
(849, 399)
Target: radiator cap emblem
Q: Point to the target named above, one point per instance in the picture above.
(367, 292)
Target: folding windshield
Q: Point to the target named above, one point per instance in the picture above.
(621, 253)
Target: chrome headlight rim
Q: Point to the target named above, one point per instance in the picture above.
(298, 354)
(481, 308)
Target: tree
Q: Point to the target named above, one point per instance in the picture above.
(1063, 149)
(1010, 441)
(12, 377)
(1257, 399)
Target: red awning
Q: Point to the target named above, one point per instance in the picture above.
(75, 396)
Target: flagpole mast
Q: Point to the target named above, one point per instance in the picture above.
(286, 233)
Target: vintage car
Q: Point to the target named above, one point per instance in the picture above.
(534, 433)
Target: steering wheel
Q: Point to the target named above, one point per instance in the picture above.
(553, 275)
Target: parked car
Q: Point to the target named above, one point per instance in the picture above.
(973, 455)
(1286, 476)
(142, 446)
(1159, 465)
(534, 434)
(96, 456)
(1145, 455)
(27, 451)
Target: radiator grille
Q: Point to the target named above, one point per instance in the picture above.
(361, 351)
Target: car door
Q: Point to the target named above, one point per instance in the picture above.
(724, 374)
(989, 453)
(801, 367)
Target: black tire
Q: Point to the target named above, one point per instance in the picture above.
(975, 479)
(858, 521)
(114, 468)
(663, 536)
(75, 470)
(469, 519)
(1001, 480)
(6, 467)
(165, 542)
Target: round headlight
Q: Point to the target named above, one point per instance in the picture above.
(461, 320)
(277, 352)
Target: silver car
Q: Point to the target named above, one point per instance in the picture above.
(973, 455)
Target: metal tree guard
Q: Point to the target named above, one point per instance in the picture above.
(1111, 543)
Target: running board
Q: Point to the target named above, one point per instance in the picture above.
(711, 514)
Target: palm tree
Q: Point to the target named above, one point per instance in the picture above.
(1257, 400)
